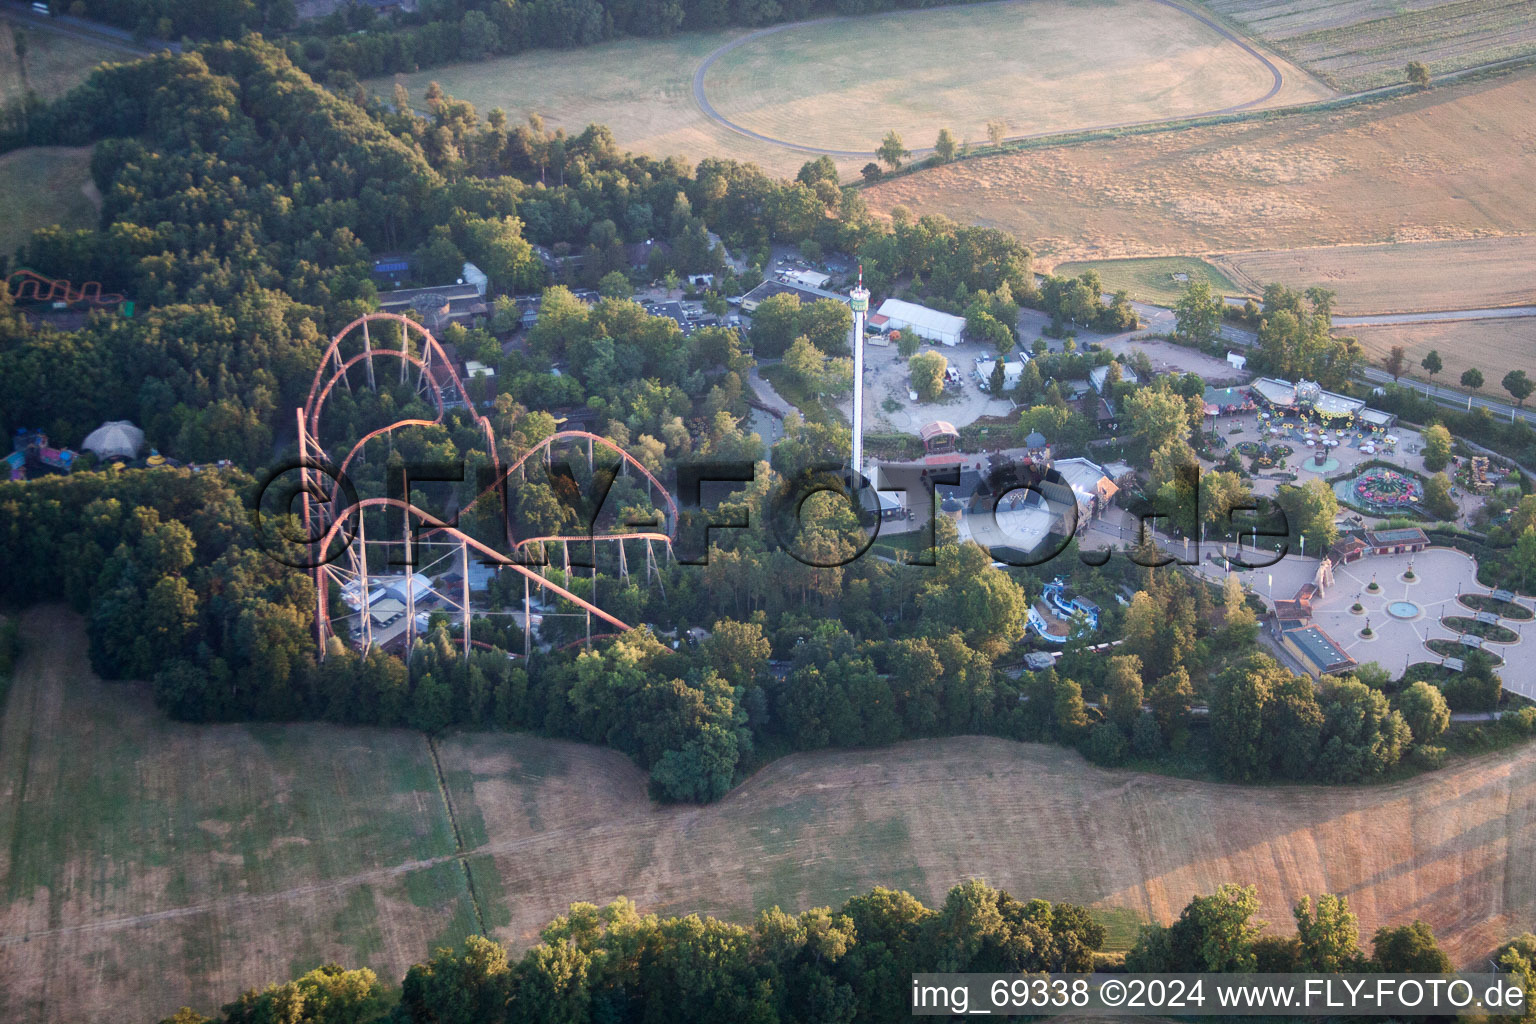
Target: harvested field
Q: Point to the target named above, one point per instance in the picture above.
(1493, 346)
(823, 84)
(1448, 164)
(1362, 44)
(1159, 279)
(566, 822)
(41, 186)
(1411, 277)
(146, 864)
(56, 63)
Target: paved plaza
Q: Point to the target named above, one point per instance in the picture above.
(1399, 634)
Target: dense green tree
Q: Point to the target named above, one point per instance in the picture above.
(1408, 949)
(891, 152)
(927, 372)
(1423, 707)
(1197, 314)
(1437, 448)
(1518, 385)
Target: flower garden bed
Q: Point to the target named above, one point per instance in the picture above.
(1489, 631)
(1503, 609)
(1456, 649)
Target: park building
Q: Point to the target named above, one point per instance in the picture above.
(939, 437)
(1012, 370)
(1091, 485)
(931, 324)
(1314, 649)
(1100, 374)
(806, 293)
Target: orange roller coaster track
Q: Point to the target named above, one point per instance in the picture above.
(30, 286)
(437, 373)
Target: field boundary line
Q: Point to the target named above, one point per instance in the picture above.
(459, 854)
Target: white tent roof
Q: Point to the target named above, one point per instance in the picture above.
(922, 317)
(117, 439)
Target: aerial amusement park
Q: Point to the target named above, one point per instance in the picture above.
(390, 581)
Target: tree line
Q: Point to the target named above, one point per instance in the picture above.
(854, 962)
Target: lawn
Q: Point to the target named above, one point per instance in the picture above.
(1154, 279)
(56, 63)
(42, 186)
(827, 84)
(145, 864)
(1363, 44)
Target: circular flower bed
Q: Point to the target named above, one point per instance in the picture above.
(1281, 451)
(1381, 488)
(1249, 448)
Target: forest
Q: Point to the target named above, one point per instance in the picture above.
(366, 40)
(855, 962)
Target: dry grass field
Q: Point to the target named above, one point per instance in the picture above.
(1451, 163)
(42, 186)
(828, 84)
(55, 63)
(1362, 44)
(146, 864)
(566, 822)
(1409, 277)
(1493, 346)
(841, 84)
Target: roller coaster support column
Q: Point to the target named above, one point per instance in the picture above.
(368, 348)
(527, 618)
(410, 578)
(464, 594)
(320, 617)
(367, 612)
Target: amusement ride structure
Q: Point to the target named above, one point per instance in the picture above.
(30, 286)
(335, 514)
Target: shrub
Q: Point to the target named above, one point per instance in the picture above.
(1427, 757)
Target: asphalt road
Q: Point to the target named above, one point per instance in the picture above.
(83, 29)
(1159, 320)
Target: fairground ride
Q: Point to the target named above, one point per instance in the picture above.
(328, 511)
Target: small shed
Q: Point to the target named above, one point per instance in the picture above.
(939, 436)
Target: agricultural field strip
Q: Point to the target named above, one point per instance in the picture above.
(1365, 43)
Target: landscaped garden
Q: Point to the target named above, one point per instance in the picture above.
(1490, 631)
(1456, 649)
(1503, 609)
